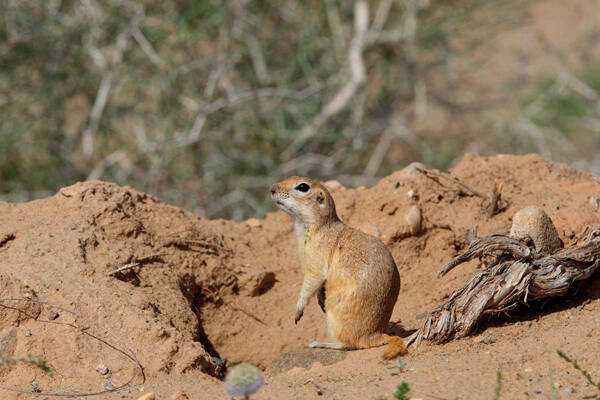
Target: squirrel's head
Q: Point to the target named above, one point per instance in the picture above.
(304, 200)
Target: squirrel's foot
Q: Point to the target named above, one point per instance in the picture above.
(335, 346)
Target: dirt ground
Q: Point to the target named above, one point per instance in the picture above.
(195, 293)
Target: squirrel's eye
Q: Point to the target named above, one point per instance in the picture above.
(303, 187)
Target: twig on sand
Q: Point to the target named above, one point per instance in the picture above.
(123, 268)
(495, 202)
(139, 262)
(495, 205)
(450, 178)
(317, 387)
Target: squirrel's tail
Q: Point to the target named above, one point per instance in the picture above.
(394, 348)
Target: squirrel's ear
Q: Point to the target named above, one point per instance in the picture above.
(320, 197)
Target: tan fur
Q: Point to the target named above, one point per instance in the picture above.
(357, 270)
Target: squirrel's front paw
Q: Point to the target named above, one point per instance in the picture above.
(299, 315)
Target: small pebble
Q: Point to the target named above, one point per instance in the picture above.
(112, 384)
(217, 361)
(489, 340)
(484, 339)
(413, 219)
(102, 369)
(253, 222)
(595, 202)
(27, 333)
(147, 396)
(52, 315)
(421, 315)
(180, 395)
(568, 390)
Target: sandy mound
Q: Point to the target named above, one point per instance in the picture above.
(194, 293)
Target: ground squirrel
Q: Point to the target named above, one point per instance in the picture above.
(356, 270)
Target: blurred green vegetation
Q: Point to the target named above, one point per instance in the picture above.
(206, 103)
(569, 105)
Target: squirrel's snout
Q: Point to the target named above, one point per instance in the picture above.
(273, 189)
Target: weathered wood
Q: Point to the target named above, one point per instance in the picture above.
(488, 245)
(516, 274)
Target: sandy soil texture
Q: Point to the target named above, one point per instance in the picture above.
(192, 294)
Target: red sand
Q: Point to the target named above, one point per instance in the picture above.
(219, 288)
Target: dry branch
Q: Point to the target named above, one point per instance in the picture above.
(347, 92)
(518, 273)
(495, 203)
(451, 178)
(494, 206)
(120, 46)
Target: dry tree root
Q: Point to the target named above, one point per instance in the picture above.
(517, 273)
